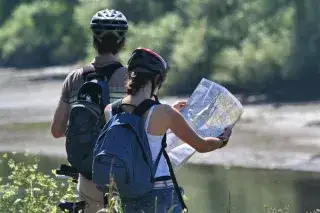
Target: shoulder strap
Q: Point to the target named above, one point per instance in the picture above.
(144, 106)
(90, 72)
(108, 70)
(115, 106)
(139, 110)
(174, 180)
(87, 70)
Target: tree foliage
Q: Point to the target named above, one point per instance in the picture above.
(41, 33)
(252, 46)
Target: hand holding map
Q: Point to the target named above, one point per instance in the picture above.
(210, 109)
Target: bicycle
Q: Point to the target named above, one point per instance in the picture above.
(66, 172)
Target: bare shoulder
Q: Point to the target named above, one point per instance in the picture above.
(107, 111)
(163, 112)
(169, 114)
(167, 110)
(163, 108)
(108, 108)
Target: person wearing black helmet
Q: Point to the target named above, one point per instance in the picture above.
(109, 29)
(147, 72)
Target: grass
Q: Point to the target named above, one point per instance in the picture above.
(25, 126)
(27, 189)
(286, 209)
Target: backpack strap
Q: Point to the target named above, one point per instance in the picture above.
(173, 176)
(111, 69)
(140, 110)
(174, 180)
(87, 70)
(90, 72)
(144, 106)
(115, 107)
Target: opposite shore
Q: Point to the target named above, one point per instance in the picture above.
(268, 136)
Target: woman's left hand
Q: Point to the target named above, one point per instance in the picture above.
(179, 105)
(225, 136)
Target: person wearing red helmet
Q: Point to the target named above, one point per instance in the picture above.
(147, 72)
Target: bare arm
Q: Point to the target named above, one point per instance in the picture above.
(61, 114)
(60, 120)
(182, 130)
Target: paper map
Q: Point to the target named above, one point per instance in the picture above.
(211, 108)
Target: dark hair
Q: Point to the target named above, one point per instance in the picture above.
(138, 80)
(108, 44)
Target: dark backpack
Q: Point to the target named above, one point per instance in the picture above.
(86, 117)
(122, 152)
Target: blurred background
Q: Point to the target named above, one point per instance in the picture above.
(266, 52)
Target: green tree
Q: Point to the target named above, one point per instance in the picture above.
(41, 35)
(142, 10)
(302, 69)
(7, 7)
(251, 46)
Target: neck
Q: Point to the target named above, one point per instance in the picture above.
(105, 58)
(140, 96)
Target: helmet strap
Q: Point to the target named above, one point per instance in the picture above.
(97, 37)
(156, 98)
(119, 37)
(153, 87)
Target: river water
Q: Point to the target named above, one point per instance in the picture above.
(213, 189)
(26, 108)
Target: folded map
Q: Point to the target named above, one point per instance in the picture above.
(211, 108)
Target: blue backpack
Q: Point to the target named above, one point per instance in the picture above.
(122, 152)
(86, 117)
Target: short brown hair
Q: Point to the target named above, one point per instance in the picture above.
(108, 44)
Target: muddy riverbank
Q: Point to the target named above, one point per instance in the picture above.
(285, 136)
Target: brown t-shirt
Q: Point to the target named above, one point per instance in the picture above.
(74, 81)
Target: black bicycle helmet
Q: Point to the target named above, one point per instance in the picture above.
(150, 61)
(109, 21)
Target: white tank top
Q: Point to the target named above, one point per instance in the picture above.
(155, 147)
